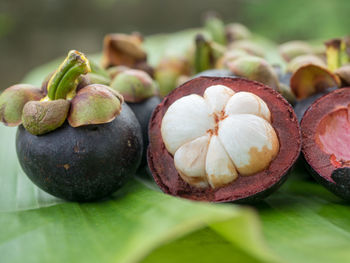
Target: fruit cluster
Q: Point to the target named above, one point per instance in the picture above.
(216, 124)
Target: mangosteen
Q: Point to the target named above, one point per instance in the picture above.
(79, 146)
(141, 93)
(325, 134)
(222, 139)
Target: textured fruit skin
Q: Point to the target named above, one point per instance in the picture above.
(143, 111)
(245, 189)
(339, 189)
(85, 163)
(302, 105)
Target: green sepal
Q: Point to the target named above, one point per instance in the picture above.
(216, 28)
(40, 117)
(255, 68)
(94, 104)
(134, 85)
(12, 101)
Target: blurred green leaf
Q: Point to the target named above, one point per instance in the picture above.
(37, 227)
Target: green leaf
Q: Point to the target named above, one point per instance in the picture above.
(304, 222)
(125, 228)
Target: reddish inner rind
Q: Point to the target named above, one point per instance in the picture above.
(326, 133)
(333, 136)
(284, 121)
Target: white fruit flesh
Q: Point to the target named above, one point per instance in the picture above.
(217, 137)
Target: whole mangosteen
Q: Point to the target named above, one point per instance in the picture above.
(222, 139)
(326, 142)
(140, 92)
(79, 146)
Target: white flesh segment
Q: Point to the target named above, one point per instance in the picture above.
(250, 141)
(247, 103)
(217, 97)
(186, 119)
(189, 161)
(218, 165)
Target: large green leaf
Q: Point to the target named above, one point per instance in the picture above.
(37, 227)
(302, 222)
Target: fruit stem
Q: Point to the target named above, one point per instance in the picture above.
(203, 58)
(65, 79)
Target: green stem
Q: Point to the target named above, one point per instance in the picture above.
(203, 57)
(64, 80)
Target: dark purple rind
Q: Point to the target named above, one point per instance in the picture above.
(84, 163)
(246, 188)
(317, 161)
(302, 105)
(143, 111)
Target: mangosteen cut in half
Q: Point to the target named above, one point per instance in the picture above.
(326, 141)
(222, 139)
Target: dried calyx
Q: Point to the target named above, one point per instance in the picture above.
(125, 50)
(312, 75)
(25, 104)
(220, 136)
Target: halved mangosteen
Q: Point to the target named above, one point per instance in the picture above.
(326, 141)
(222, 139)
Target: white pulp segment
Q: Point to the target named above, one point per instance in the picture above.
(218, 165)
(217, 136)
(247, 103)
(190, 159)
(217, 96)
(250, 141)
(186, 119)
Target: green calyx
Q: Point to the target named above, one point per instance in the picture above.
(71, 94)
(255, 68)
(41, 117)
(12, 101)
(216, 28)
(236, 31)
(94, 104)
(169, 71)
(206, 53)
(65, 79)
(134, 85)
